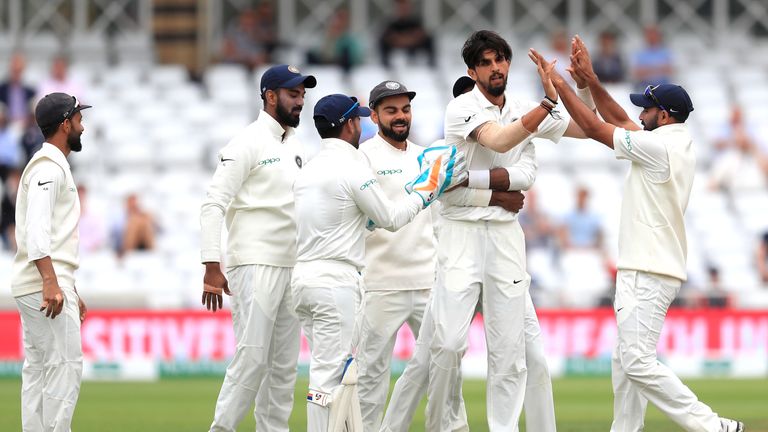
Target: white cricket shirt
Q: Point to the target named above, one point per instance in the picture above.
(47, 215)
(336, 193)
(652, 228)
(252, 192)
(470, 110)
(404, 259)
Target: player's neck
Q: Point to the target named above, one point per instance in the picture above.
(60, 142)
(400, 145)
(496, 100)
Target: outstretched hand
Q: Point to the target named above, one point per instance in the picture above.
(547, 73)
(581, 63)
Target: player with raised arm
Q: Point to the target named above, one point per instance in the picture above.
(252, 192)
(412, 384)
(481, 250)
(652, 238)
(336, 195)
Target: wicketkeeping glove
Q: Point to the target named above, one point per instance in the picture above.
(441, 167)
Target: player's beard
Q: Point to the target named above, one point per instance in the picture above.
(650, 124)
(73, 141)
(289, 118)
(497, 90)
(356, 137)
(390, 133)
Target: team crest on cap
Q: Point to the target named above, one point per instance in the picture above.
(392, 85)
(293, 69)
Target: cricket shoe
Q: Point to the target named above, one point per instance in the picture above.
(728, 425)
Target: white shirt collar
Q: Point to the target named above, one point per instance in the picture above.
(55, 154)
(275, 128)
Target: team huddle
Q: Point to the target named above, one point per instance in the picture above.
(351, 243)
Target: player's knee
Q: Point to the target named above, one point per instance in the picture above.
(637, 365)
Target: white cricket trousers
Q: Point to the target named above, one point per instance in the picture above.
(53, 363)
(384, 312)
(263, 369)
(410, 387)
(327, 300)
(412, 384)
(641, 304)
(489, 258)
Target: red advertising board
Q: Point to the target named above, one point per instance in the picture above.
(199, 335)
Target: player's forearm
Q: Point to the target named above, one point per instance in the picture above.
(581, 114)
(503, 138)
(608, 108)
(45, 268)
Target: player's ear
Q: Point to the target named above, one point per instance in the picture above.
(472, 74)
(374, 117)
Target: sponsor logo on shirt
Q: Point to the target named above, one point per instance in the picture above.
(367, 184)
(389, 171)
(627, 141)
(269, 161)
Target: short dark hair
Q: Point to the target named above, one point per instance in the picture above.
(328, 132)
(481, 41)
(50, 130)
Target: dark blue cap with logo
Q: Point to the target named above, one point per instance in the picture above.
(668, 97)
(285, 76)
(333, 110)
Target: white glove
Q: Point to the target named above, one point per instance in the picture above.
(441, 167)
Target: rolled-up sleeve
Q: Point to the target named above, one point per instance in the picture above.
(45, 179)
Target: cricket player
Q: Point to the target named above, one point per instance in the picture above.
(43, 281)
(652, 239)
(336, 194)
(252, 192)
(482, 249)
(412, 384)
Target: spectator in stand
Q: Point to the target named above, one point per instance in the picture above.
(608, 62)
(581, 229)
(406, 31)
(8, 210)
(653, 63)
(340, 46)
(135, 229)
(14, 94)
(742, 166)
(32, 138)
(736, 129)
(60, 81)
(252, 38)
(93, 235)
(762, 258)
(560, 49)
(10, 151)
(538, 230)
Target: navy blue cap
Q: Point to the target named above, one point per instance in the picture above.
(669, 97)
(462, 85)
(54, 108)
(285, 76)
(335, 109)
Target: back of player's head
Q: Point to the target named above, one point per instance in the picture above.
(481, 41)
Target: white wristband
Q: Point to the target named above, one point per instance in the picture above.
(479, 179)
(586, 96)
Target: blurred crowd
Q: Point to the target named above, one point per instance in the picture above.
(127, 229)
(738, 164)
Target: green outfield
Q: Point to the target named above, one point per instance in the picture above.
(582, 404)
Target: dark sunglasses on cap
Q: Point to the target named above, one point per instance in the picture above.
(649, 94)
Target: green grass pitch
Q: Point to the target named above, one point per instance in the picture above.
(582, 405)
